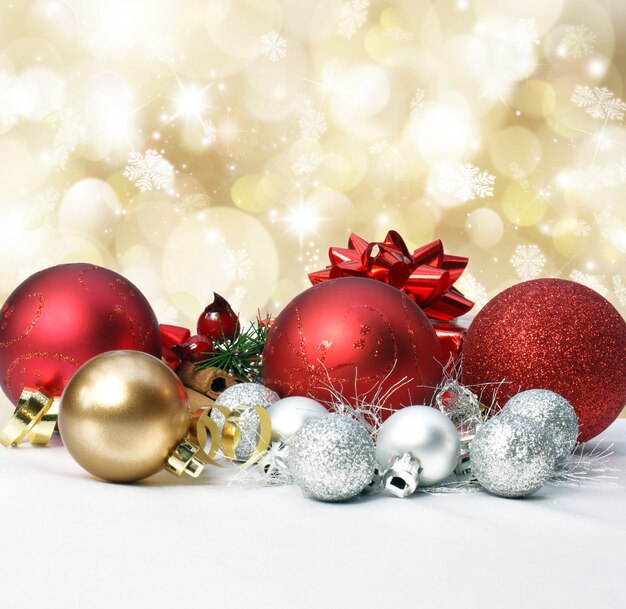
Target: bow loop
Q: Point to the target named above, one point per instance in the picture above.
(426, 276)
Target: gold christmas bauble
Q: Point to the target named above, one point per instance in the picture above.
(122, 414)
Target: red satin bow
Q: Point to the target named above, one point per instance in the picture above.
(426, 276)
(170, 336)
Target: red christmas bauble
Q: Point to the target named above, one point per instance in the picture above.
(63, 316)
(361, 336)
(551, 334)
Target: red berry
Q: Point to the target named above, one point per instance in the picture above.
(218, 321)
(194, 349)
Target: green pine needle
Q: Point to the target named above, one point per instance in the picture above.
(242, 356)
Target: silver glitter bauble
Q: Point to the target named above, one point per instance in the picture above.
(428, 437)
(290, 414)
(512, 456)
(244, 395)
(331, 458)
(553, 412)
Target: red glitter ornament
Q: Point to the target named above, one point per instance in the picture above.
(358, 335)
(551, 334)
(63, 316)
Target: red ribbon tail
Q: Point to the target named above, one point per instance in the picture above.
(170, 336)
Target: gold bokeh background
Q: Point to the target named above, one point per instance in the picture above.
(224, 145)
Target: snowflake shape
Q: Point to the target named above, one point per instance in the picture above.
(209, 131)
(273, 46)
(306, 163)
(417, 103)
(590, 281)
(519, 175)
(69, 132)
(378, 147)
(236, 264)
(46, 201)
(525, 35)
(98, 40)
(12, 100)
(190, 204)
(473, 289)
(466, 182)
(528, 261)
(608, 224)
(599, 102)
(6, 81)
(578, 41)
(312, 124)
(149, 171)
(352, 16)
(237, 297)
(621, 169)
(619, 289)
(593, 177)
(160, 49)
(581, 228)
(399, 34)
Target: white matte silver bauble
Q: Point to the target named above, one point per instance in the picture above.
(422, 433)
(331, 458)
(290, 414)
(552, 412)
(242, 396)
(512, 456)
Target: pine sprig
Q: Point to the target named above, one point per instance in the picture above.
(240, 356)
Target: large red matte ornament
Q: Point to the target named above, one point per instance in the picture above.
(357, 335)
(63, 316)
(551, 334)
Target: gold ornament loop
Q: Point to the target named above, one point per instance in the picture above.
(31, 408)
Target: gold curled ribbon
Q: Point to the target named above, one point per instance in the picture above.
(231, 434)
(31, 408)
(42, 432)
(206, 428)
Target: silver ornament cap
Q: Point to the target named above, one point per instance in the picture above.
(331, 458)
(512, 456)
(552, 412)
(428, 437)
